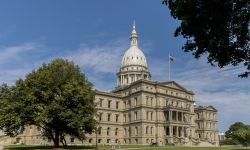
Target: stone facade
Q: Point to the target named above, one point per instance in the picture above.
(142, 111)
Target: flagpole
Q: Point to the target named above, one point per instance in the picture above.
(168, 66)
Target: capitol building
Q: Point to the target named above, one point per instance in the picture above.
(142, 111)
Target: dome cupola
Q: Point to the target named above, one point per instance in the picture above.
(133, 64)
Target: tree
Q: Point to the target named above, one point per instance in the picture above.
(56, 97)
(239, 132)
(218, 28)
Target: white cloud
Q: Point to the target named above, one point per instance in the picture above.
(11, 52)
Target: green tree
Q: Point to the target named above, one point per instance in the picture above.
(239, 132)
(56, 97)
(218, 28)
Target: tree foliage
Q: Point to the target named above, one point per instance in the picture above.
(218, 28)
(56, 97)
(239, 132)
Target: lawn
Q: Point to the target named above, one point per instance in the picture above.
(25, 147)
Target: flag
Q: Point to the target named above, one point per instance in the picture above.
(172, 58)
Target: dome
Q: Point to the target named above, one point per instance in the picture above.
(133, 64)
(134, 56)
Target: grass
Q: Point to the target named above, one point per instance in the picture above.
(129, 147)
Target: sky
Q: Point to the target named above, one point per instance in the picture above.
(95, 35)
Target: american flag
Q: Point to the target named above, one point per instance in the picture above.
(172, 58)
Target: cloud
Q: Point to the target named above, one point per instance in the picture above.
(101, 59)
(14, 51)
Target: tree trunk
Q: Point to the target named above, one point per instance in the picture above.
(65, 143)
(57, 140)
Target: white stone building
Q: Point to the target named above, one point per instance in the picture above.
(142, 111)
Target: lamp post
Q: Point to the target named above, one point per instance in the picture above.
(96, 132)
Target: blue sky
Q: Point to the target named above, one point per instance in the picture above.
(94, 34)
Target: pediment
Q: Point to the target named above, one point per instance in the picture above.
(174, 85)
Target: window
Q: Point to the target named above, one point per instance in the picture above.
(109, 117)
(146, 129)
(100, 130)
(147, 115)
(124, 118)
(99, 140)
(90, 140)
(116, 117)
(151, 130)
(136, 130)
(135, 101)
(116, 131)
(125, 131)
(117, 105)
(49, 139)
(147, 100)
(109, 103)
(151, 115)
(100, 102)
(100, 116)
(72, 140)
(151, 101)
(108, 140)
(135, 115)
(108, 130)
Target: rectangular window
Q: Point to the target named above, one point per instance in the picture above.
(135, 115)
(72, 140)
(124, 118)
(100, 116)
(109, 103)
(147, 100)
(100, 102)
(117, 105)
(116, 117)
(109, 117)
(135, 101)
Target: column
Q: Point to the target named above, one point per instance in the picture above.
(171, 131)
(170, 115)
(177, 131)
(177, 117)
(182, 131)
(129, 78)
(182, 119)
(122, 78)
